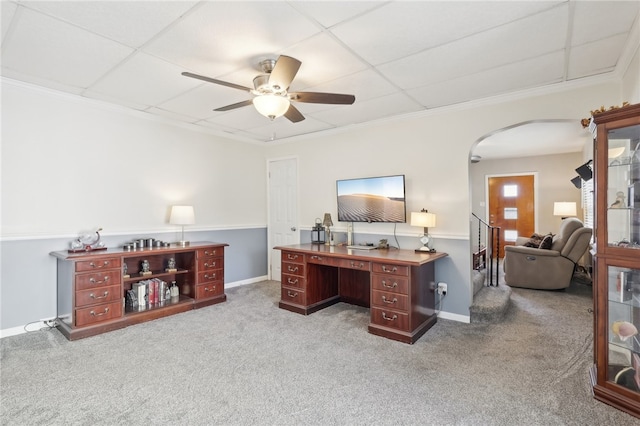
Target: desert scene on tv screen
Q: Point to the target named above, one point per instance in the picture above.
(370, 208)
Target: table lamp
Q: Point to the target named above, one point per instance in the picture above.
(564, 209)
(328, 223)
(182, 215)
(426, 220)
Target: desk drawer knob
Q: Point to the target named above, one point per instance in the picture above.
(386, 269)
(359, 265)
(384, 284)
(210, 265)
(104, 295)
(391, 302)
(209, 253)
(292, 282)
(105, 263)
(212, 289)
(93, 314)
(290, 269)
(210, 277)
(316, 257)
(393, 318)
(292, 294)
(292, 256)
(94, 281)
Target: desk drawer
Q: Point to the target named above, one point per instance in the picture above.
(293, 295)
(294, 281)
(206, 276)
(205, 291)
(383, 268)
(98, 279)
(207, 263)
(293, 269)
(97, 295)
(323, 260)
(390, 300)
(94, 314)
(210, 251)
(97, 264)
(362, 265)
(390, 318)
(288, 256)
(392, 284)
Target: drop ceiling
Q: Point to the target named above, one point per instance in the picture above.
(396, 57)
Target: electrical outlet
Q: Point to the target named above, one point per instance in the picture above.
(442, 289)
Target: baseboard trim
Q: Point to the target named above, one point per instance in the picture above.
(28, 328)
(245, 282)
(455, 317)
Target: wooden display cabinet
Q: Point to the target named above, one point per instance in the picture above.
(91, 286)
(616, 372)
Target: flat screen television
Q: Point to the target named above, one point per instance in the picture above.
(372, 199)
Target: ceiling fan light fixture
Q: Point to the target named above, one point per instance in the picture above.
(271, 106)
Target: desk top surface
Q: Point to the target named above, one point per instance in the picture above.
(408, 257)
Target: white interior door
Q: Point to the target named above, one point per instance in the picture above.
(283, 209)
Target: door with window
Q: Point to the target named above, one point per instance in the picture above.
(511, 207)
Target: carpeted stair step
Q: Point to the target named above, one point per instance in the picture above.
(490, 304)
(479, 277)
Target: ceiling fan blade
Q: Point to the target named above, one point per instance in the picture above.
(283, 72)
(322, 98)
(213, 80)
(293, 115)
(234, 106)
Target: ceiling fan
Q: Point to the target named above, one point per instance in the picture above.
(271, 97)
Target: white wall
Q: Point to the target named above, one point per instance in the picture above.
(70, 165)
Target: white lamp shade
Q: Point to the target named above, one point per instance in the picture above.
(271, 106)
(564, 208)
(423, 219)
(182, 215)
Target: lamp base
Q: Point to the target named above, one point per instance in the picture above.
(425, 249)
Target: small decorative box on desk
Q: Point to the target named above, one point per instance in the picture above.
(93, 286)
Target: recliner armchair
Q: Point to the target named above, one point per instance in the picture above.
(543, 269)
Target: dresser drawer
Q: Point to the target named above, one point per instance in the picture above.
(97, 264)
(214, 275)
(98, 313)
(206, 263)
(288, 256)
(390, 318)
(383, 268)
(98, 279)
(98, 295)
(384, 299)
(362, 265)
(293, 295)
(210, 251)
(205, 291)
(293, 281)
(293, 269)
(392, 284)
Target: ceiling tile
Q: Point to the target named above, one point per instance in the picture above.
(59, 52)
(403, 28)
(597, 19)
(373, 109)
(534, 72)
(221, 37)
(496, 47)
(7, 11)
(281, 128)
(146, 80)
(202, 101)
(595, 58)
(338, 12)
(132, 23)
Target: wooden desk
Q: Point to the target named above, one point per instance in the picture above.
(397, 285)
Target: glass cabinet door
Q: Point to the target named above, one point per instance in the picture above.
(624, 320)
(623, 187)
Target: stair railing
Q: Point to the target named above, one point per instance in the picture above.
(486, 250)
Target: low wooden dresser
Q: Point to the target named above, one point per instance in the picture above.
(91, 286)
